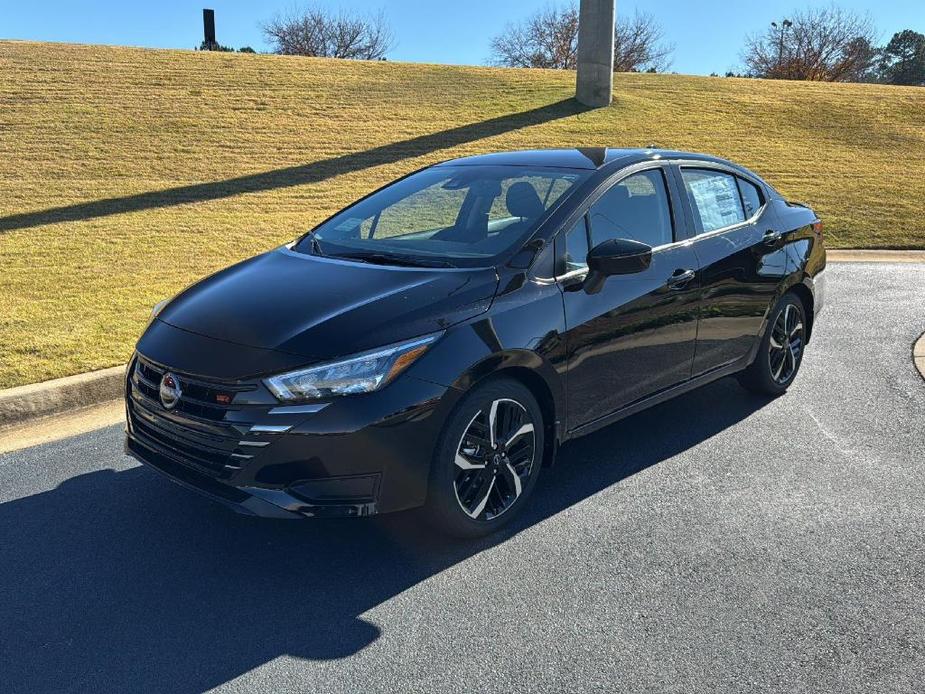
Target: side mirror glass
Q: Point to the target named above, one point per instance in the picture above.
(619, 257)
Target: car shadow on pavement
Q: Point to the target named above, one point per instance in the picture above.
(121, 581)
(303, 174)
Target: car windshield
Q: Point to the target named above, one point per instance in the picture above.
(452, 216)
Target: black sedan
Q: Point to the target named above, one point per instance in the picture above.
(432, 344)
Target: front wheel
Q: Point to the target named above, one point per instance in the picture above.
(487, 461)
(781, 350)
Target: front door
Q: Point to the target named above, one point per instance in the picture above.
(636, 336)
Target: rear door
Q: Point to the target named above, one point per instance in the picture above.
(741, 257)
(636, 336)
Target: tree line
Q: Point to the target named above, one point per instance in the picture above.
(830, 44)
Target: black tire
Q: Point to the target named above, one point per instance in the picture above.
(454, 498)
(781, 350)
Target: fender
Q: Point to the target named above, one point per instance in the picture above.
(538, 374)
(513, 359)
(536, 365)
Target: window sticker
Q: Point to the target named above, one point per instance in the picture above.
(349, 224)
(717, 201)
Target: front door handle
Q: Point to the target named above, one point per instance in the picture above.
(771, 237)
(680, 279)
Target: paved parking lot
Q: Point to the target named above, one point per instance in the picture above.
(718, 542)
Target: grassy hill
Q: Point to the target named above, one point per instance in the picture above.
(126, 174)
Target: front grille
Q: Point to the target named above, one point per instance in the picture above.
(191, 433)
(200, 398)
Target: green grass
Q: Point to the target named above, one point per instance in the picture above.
(126, 174)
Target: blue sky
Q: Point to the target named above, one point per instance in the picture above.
(707, 33)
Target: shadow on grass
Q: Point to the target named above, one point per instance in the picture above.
(120, 581)
(296, 175)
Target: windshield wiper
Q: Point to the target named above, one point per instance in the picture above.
(316, 246)
(389, 259)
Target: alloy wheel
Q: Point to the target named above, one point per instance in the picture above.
(494, 459)
(786, 344)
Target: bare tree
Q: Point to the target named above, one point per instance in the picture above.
(315, 31)
(549, 39)
(824, 44)
(639, 45)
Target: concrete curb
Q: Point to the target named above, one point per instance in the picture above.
(918, 354)
(861, 256)
(25, 403)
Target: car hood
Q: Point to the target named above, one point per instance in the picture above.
(321, 308)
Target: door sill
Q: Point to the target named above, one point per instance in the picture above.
(658, 398)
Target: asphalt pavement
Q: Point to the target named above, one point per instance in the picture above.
(719, 542)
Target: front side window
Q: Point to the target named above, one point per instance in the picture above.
(714, 198)
(635, 208)
(464, 216)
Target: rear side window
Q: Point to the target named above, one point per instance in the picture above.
(752, 198)
(714, 197)
(636, 208)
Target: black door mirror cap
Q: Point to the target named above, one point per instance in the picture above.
(619, 257)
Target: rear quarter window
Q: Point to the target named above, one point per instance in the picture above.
(752, 197)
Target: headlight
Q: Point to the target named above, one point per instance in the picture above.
(362, 373)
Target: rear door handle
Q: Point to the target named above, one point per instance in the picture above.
(680, 278)
(771, 237)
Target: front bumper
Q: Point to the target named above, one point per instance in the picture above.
(350, 457)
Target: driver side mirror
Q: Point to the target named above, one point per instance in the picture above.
(615, 257)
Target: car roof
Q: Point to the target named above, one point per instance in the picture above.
(605, 160)
(588, 158)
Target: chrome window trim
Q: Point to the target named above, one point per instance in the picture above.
(716, 232)
(573, 274)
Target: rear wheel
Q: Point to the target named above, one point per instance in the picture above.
(487, 461)
(781, 351)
